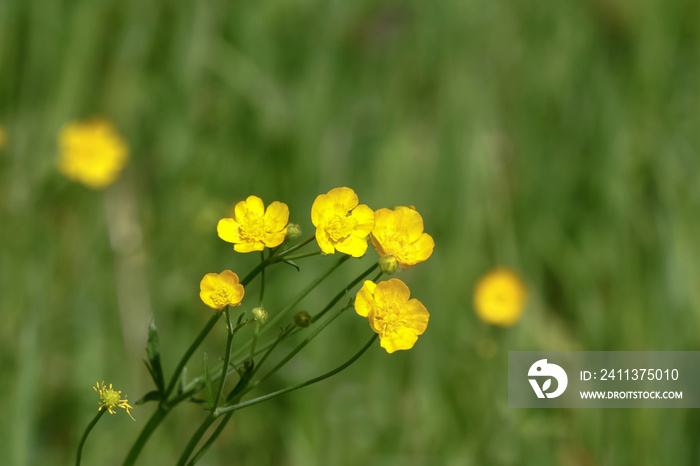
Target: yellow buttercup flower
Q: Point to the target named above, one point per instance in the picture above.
(253, 227)
(399, 233)
(499, 297)
(397, 319)
(341, 224)
(221, 290)
(110, 399)
(91, 152)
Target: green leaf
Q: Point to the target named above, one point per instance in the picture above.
(293, 264)
(153, 352)
(207, 382)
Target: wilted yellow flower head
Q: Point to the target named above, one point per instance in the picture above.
(341, 224)
(397, 319)
(110, 399)
(3, 137)
(221, 290)
(399, 232)
(92, 153)
(253, 227)
(499, 297)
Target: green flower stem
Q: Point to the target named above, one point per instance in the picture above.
(298, 348)
(210, 441)
(186, 357)
(195, 439)
(254, 401)
(197, 384)
(295, 248)
(344, 291)
(153, 422)
(302, 294)
(86, 433)
(227, 356)
(303, 255)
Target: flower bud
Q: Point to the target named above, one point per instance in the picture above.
(388, 264)
(302, 319)
(260, 315)
(293, 231)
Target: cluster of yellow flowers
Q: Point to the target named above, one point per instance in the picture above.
(343, 225)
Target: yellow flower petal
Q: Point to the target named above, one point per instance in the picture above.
(254, 228)
(322, 207)
(352, 245)
(400, 233)
(276, 217)
(344, 198)
(416, 252)
(391, 291)
(364, 299)
(248, 247)
(397, 319)
(323, 241)
(227, 228)
(255, 205)
(409, 222)
(364, 216)
(220, 290)
(403, 339)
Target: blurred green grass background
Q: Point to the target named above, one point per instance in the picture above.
(559, 138)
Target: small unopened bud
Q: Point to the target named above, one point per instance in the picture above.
(302, 319)
(260, 315)
(388, 264)
(293, 231)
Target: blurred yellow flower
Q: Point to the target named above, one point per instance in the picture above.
(499, 297)
(253, 227)
(221, 290)
(397, 319)
(341, 224)
(3, 138)
(110, 399)
(91, 152)
(399, 232)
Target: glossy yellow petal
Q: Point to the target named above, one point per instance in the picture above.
(249, 246)
(401, 340)
(323, 241)
(343, 198)
(228, 230)
(392, 291)
(209, 282)
(352, 246)
(220, 290)
(364, 299)
(416, 252)
(364, 216)
(321, 208)
(276, 217)
(255, 205)
(409, 223)
(273, 240)
(416, 316)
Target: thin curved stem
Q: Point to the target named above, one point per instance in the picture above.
(195, 439)
(260, 399)
(88, 429)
